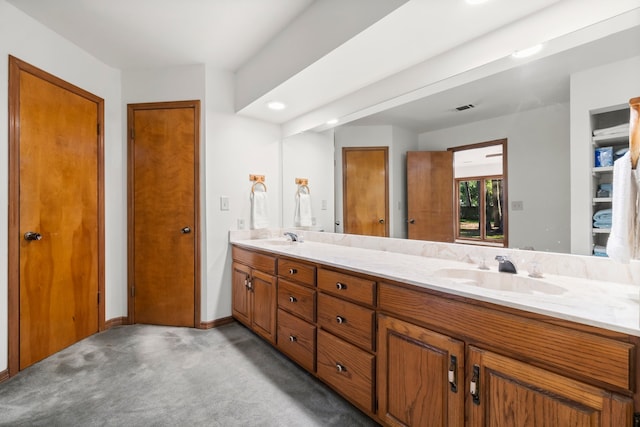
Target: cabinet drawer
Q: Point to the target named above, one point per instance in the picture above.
(347, 320)
(258, 261)
(347, 286)
(297, 339)
(348, 369)
(297, 299)
(298, 271)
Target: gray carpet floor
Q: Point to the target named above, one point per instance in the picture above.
(144, 375)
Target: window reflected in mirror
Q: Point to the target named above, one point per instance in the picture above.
(480, 193)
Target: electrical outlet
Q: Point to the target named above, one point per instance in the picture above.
(240, 224)
(517, 205)
(224, 203)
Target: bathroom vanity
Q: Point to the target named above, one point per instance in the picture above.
(422, 340)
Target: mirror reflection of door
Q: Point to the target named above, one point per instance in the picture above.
(366, 190)
(480, 184)
(472, 175)
(430, 195)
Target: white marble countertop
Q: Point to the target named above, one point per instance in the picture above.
(608, 305)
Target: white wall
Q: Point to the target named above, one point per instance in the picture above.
(606, 86)
(399, 142)
(309, 155)
(403, 140)
(26, 39)
(538, 171)
(235, 147)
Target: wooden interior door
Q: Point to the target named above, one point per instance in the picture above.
(163, 213)
(430, 209)
(366, 190)
(56, 226)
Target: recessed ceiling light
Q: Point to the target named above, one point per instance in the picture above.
(527, 52)
(276, 105)
(332, 121)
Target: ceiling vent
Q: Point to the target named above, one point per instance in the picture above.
(465, 107)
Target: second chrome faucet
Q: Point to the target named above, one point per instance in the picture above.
(505, 265)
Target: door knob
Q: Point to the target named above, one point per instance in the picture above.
(185, 230)
(32, 235)
(381, 221)
(411, 221)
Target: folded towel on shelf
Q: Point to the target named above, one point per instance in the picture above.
(603, 215)
(624, 240)
(606, 186)
(612, 130)
(259, 211)
(602, 224)
(599, 250)
(303, 216)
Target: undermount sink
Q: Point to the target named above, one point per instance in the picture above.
(497, 281)
(278, 242)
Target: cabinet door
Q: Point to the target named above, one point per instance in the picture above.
(415, 386)
(264, 299)
(512, 393)
(240, 293)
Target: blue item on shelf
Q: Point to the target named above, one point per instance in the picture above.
(604, 156)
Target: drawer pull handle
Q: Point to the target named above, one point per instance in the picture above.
(292, 271)
(340, 319)
(341, 368)
(293, 299)
(292, 338)
(474, 387)
(340, 286)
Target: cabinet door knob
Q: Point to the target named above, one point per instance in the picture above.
(292, 299)
(340, 319)
(340, 286)
(292, 271)
(340, 368)
(292, 338)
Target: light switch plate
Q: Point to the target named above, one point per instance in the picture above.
(224, 203)
(517, 205)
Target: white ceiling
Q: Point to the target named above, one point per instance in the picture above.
(227, 34)
(129, 34)
(536, 84)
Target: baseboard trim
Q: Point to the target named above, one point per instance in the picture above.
(4, 375)
(116, 321)
(216, 323)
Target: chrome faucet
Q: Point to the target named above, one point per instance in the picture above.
(292, 236)
(505, 265)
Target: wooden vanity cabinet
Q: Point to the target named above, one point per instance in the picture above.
(408, 356)
(253, 298)
(518, 371)
(297, 312)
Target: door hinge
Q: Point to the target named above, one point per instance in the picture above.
(98, 298)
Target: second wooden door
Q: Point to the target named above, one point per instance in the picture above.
(430, 195)
(163, 213)
(366, 190)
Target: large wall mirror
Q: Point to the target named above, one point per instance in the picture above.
(542, 106)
